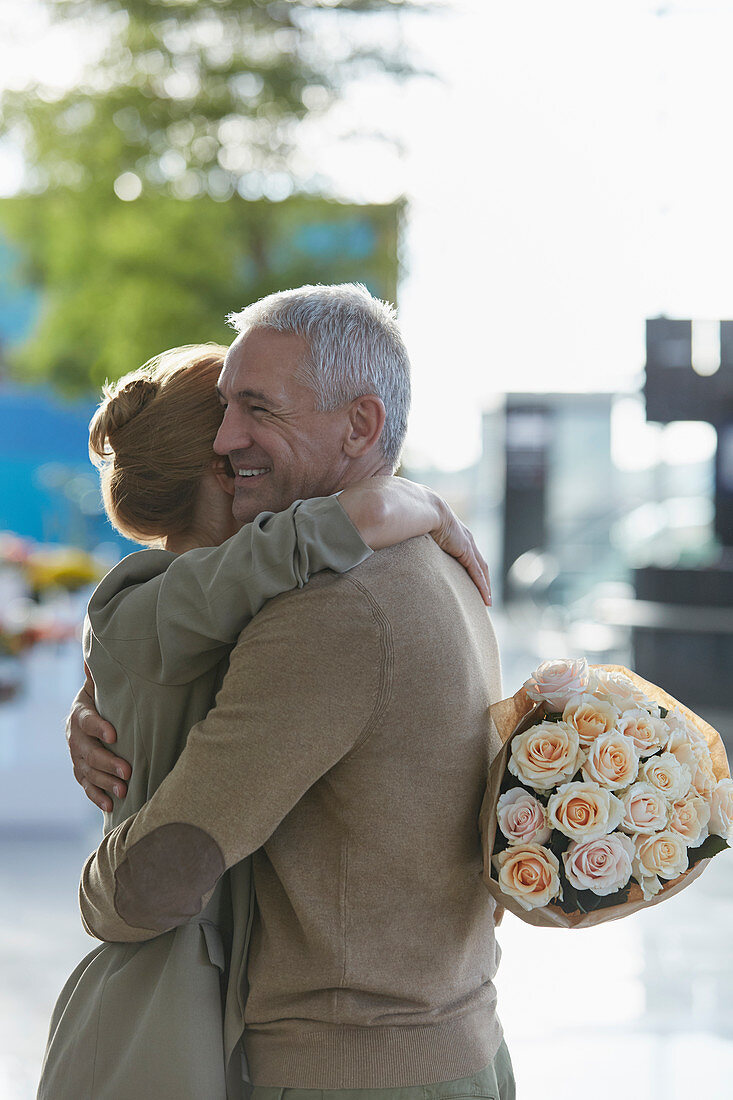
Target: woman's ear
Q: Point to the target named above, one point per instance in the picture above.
(224, 474)
(366, 416)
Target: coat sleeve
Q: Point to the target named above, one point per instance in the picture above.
(305, 686)
(176, 624)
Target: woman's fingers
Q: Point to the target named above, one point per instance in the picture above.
(455, 538)
(96, 768)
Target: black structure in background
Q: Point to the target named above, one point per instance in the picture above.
(692, 652)
(528, 427)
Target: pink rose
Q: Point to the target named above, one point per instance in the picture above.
(619, 690)
(590, 717)
(721, 810)
(661, 855)
(646, 810)
(522, 818)
(584, 811)
(648, 733)
(602, 865)
(554, 682)
(545, 755)
(530, 874)
(667, 774)
(690, 748)
(612, 761)
(690, 816)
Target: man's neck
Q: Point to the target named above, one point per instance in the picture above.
(357, 472)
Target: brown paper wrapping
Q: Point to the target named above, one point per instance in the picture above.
(514, 716)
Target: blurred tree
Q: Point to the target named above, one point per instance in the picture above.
(196, 97)
(138, 222)
(122, 281)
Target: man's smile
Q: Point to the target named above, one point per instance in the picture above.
(250, 472)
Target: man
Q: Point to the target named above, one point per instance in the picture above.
(348, 749)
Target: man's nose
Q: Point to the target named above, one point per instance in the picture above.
(233, 434)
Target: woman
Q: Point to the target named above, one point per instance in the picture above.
(164, 1018)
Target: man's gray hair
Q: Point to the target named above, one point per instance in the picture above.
(354, 348)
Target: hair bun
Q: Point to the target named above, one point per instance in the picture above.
(123, 401)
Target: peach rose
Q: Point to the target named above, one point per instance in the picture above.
(619, 690)
(612, 761)
(555, 681)
(721, 810)
(602, 865)
(529, 873)
(648, 733)
(646, 810)
(690, 748)
(590, 717)
(545, 755)
(521, 818)
(584, 811)
(667, 774)
(690, 817)
(661, 855)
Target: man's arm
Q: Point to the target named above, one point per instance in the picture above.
(299, 695)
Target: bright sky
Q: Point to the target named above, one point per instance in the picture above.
(568, 178)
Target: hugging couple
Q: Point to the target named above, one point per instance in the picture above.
(289, 886)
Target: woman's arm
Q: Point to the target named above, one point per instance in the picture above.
(181, 619)
(173, 625)
(169, 619)
(388, 510)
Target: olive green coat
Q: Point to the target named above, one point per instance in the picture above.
(164, 1018)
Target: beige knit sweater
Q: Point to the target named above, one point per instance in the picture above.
(349, 743)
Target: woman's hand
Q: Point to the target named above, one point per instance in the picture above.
(388, 510)
(96, 769)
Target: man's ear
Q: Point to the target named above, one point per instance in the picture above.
(224, 473)
(366, 421)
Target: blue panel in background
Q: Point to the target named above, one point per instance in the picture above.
(20, 304)
(50, 490)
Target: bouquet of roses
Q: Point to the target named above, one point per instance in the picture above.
(607, 796)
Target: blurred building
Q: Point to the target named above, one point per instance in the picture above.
(683, 621)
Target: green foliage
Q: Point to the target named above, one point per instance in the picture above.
(711, 846)
(192, 103)
(124, 281)
(197, 97)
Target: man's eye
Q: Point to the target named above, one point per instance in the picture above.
(258, 409)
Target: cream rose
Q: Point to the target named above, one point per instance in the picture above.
(646, 810)
(546, 755)
(690, 748)
(689, 817)
(602, 865)
(555, 681)
(529, 873)
(661, 855)
(666, 774)
(590, 717)
(721, 809)
(584, 811)
(648, 733)
(612, 761)
(619, 690)
(521, 818)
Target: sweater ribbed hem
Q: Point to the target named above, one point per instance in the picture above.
(334, 1057)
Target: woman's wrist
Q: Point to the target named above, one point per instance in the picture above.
(388, 510)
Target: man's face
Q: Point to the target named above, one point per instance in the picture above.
(281, 449)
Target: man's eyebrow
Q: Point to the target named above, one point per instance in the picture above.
(255, 395)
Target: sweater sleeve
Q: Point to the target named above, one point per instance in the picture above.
(307, 682)
(171, 627)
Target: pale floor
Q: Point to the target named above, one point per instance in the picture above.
(640, 1009)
